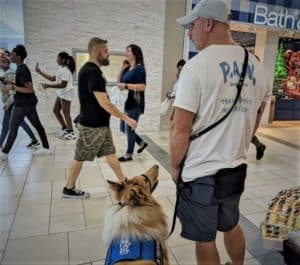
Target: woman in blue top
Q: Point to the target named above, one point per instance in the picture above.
(133, 78)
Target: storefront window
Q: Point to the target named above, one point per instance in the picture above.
(110, 72)
(286, 86)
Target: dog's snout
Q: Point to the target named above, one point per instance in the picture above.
(156, 166)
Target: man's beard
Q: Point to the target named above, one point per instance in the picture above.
(103, 61)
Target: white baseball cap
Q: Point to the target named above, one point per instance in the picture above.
(215, 9)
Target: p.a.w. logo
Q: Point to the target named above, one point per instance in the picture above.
(125, 246)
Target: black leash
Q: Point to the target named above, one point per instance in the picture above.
(180, 184)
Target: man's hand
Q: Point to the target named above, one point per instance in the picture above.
(175, 172)
(6, 89)
(121, 86)
(131, 122)
(37, 68)
(45, 86)
(5, 107)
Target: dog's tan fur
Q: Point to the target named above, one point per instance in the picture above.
(140, 217)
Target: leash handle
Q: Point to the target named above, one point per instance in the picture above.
(179, 185)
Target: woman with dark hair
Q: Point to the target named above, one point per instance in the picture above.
(133, 78)
(64, 90)
(25, 104)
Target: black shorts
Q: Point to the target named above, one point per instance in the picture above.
(201, 214)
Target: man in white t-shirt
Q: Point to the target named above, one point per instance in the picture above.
(206, 90)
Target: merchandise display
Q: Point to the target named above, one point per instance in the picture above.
(287, 73)
(281, 218)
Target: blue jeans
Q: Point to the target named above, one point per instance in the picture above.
(132, 137)
(6, 124)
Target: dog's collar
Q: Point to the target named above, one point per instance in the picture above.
(148, 181)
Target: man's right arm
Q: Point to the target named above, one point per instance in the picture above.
(258, 117)
(112, 109)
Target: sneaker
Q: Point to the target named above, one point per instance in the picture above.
(73, 193)
(141, 149)
(62, 134)
(69, 136)
(260, 151)
(125, 158)
(33, 144)
(42, 152)
(3, 156)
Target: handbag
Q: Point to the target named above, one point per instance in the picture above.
(222, 178)
(164, 106)
(137, 97)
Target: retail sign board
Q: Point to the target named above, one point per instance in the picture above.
(278, 17)
(293, 4)
(280, 14)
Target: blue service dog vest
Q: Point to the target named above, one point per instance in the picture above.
(130, 250)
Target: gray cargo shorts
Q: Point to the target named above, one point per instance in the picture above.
(93, 142)
(201, 214)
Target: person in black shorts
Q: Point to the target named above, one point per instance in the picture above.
(95, 138)
(25, 105)
(210, 170)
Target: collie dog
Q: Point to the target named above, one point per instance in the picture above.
(135, 229)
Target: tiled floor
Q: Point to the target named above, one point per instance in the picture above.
(39, 227)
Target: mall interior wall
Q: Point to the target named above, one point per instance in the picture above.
(53, 26)
(173, 51)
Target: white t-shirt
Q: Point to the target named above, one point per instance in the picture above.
(64, 74)
(207, 87)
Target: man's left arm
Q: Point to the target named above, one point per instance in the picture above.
(179, 139)
(26, 79)
(27, 88)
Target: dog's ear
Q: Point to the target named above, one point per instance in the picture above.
(115, 186)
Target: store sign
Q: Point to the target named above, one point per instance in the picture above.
(280, 17)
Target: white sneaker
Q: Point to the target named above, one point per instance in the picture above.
(62, 134)
(69, 136)
(42, 152)
(3, 156)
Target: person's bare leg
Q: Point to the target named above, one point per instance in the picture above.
(234, 241)
(74, 173)
(114, 163)
(207, 253)
(56, 111)
(66, 108)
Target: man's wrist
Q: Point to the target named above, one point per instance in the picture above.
(126, 86)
